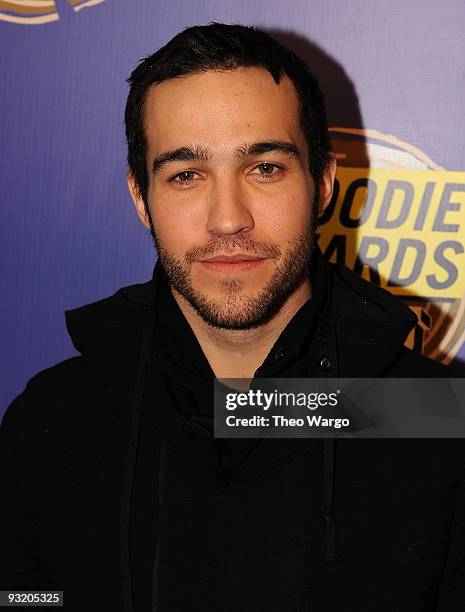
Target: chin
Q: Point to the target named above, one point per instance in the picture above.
(246, 312)
(233, 299)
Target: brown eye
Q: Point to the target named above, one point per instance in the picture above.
(186, 175)
(266, 168)
(266, 171)
(186, 178)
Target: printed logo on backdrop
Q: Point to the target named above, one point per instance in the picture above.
(398, 220)
(38, 12)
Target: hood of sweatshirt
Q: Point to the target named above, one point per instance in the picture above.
(359, 334)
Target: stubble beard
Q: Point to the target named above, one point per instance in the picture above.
(235, 311)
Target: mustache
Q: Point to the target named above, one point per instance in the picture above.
(227, 244)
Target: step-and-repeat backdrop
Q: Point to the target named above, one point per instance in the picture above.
(394, 78)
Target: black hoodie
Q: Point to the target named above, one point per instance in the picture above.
(114, 490)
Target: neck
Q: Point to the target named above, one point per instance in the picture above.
(238, 353)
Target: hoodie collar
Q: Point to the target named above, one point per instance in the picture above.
(178, 352)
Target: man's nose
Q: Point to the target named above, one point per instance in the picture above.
(228, 208)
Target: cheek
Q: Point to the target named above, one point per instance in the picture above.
(286, 218)
(176, 231)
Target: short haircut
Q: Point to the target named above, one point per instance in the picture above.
(218, 46)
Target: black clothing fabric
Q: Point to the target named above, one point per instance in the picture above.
(179, 366)
(114, 490)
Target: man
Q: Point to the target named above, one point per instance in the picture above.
(114, 489)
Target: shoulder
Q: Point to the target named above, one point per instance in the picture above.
(370, 313)
(414, 365)
(376, 300)
(49, 393)
(106, 333)
(62, 380)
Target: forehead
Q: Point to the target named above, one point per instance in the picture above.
(221, 109)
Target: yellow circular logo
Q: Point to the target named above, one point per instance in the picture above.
(398, 219)
(38, 12)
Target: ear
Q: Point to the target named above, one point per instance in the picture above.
(327, 185)
(137, 199)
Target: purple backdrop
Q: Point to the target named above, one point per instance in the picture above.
(69, 232)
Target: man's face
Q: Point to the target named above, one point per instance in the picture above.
(230, 196)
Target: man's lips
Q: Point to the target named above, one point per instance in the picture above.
(232, 263)
(232, 258)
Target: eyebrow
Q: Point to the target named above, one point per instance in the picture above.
(202, 154)
(181, 154)
(268, 146)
